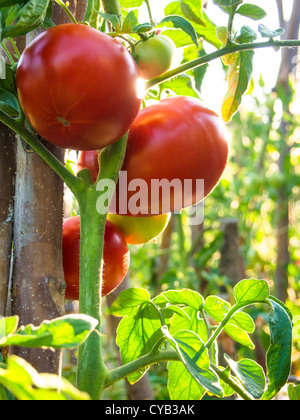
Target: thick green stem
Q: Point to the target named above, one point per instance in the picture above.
(218, 54)
(91, 368)
(91, 371)
(143, 362)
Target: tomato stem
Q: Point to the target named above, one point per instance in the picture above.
(218, 54)
(91, 370)
(66, 9)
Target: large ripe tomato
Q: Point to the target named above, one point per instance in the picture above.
(116, 257)
(176, 140)
(154, 56)
(139, 230)
(78, 87)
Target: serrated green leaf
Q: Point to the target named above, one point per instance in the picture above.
(238, 335)
(251, 11)
(183, 24)
(243, 321)
(129, 23)
(195, 357)
(251, 291)
(185, 297)
(181, 384)
(28, 17)
(113, 19)
(207, 32)
(250, 374)
(137, 333)
(192, 10)
(267, 33)
(279, 353)
(216, 307)
(178, 310)
(143, 27)
(128, 300)
(194, 323)
(228, 6)
(65, 332)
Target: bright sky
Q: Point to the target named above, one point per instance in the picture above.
(266, 61)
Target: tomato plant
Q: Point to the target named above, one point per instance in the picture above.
(177, 139)
(139, 230)
(116, 257)
(154, 55)
(85, 109)
(76, 84)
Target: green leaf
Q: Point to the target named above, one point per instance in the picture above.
(130, 22)
(8, 325)
(279, 353)
(195, 358)
(181, 23)
(181, 297)
(267, 33)
(113, 19)
(182, 385)
(250, 374)
(216, 307)
(25, 383)
(294, 392)
(252, 11)
(143, 27)
(194, 323)
(65, 332)
(9, 103)
(192, 10)
(137, 333)
(239, 335)
(29, 17)
(129, 300)
(177, 310)
(251, 291)
(228, 6)
(207, 32)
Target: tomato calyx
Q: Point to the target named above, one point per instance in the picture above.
(64, 122)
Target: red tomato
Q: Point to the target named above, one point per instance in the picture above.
(176, 140)
(116, 257)
(78, 87)
(89, 160)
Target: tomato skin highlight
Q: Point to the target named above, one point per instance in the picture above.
(154, 56)
(178, 138)
(78, 87)
(116, 257)
(140, 230)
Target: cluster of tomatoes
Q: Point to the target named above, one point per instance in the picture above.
(78, 90)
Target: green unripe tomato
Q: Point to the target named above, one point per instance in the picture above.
(140, 230)
(154, 56)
